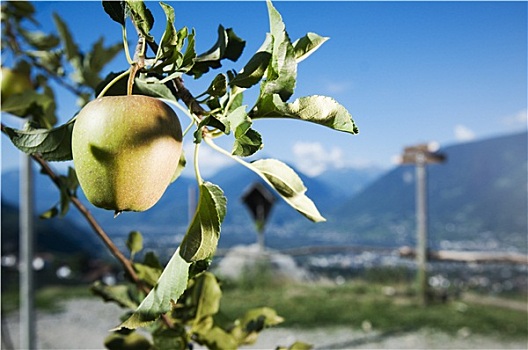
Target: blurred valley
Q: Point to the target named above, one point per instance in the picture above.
(477, 200)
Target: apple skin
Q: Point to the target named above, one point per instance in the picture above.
(13, 82)
(126, 150)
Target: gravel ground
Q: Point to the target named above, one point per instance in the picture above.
(84, 323)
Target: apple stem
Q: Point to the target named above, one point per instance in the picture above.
(115, 80)
(130, 85)
(125, 44)
(199, 178)
(137, 64)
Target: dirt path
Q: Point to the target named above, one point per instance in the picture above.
(84, 323)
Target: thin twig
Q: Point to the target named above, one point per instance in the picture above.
(126, 263)
(187, 98)
(91, 220)
(182, 92)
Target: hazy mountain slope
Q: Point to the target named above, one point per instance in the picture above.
(481, 191)
(52, 236)
(169, 212)
(349, 181)
(478, 194)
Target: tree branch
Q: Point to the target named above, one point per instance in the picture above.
(127, 265)
(182, 92)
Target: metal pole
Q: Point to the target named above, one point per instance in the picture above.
(260, 228)
(27, 314)
(421, 226)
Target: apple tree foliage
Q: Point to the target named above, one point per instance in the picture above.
(181, 300)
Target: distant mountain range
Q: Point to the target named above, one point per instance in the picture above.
(480, 192)
(62, 237)
(170, 216)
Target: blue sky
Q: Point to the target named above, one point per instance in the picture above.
(408, 72)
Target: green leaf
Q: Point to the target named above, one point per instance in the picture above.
(170, 339)
(40, 106)
(51, 60)
(67, 187)
(98, 57)
(216, 338)
(236, 98)
(127, 341)
(40, 40)
(296, 346)
(228, 46)
(71, 182)
(307, 45)
(119, 294)
(65, 200)
(247, 140)
(198, 267)
(116, 10)
(317, 109)
(205, 296)
(235, 46)
(150, 270)
(46, 117)
(239, 120)
(247, 144)
(170, 56)
(152, 260)
(253, 322)
(70, 47)
(190, 53)
(51, 213)
(142, 17)
(198, 306)
(253, 71)
(147, 274)
(134, 242)
(282, 71)
(289, 185)
(256, 67)
(257, 319)
(170, 287)
(88, 68)
(203, 233)
(51, 144)
(212, 121)
(218, 87)
(19, 10)
(168, 49)
(153, 87)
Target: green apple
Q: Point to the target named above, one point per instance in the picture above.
(13, 82)
(126, 150)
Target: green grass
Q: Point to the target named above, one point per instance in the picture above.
(354, 302)
(311, 305)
